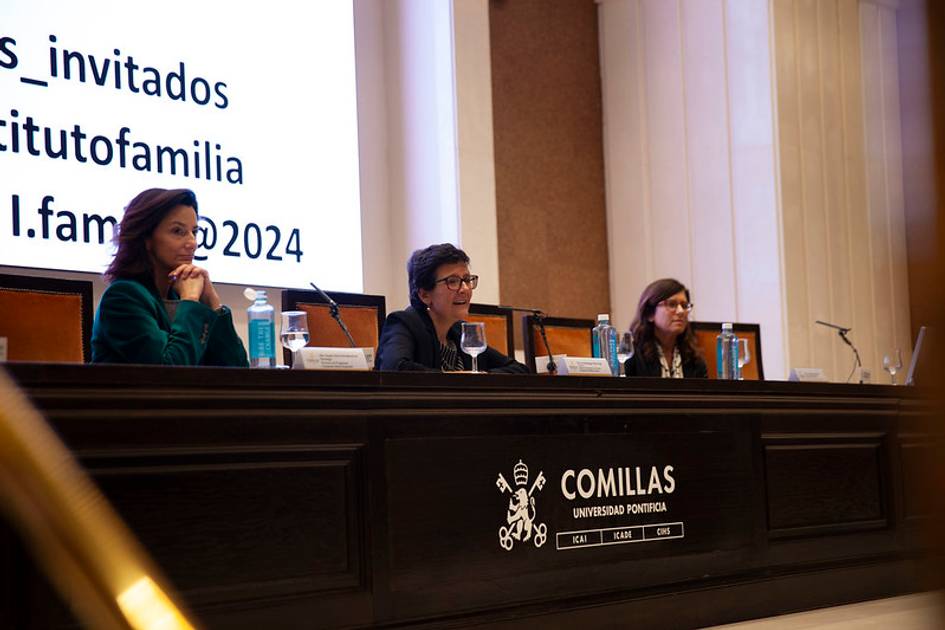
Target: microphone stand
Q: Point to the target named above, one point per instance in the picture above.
(335, 314)
(842, 332)
(859, 364)
(539, 316)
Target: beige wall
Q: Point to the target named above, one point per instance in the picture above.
(425, 121)
(691, 159)
(841, 181)
(754, 152)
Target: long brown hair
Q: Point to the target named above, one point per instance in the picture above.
(644, 330)
(142, 215)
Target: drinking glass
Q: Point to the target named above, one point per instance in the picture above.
(892, 364)
(473, 341)
(294, 331)
(624, 349)
(744, 357)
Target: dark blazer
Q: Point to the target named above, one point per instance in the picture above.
(409, 343)
(637, 365)
(132, 326)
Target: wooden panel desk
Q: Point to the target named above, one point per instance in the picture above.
(287, 499)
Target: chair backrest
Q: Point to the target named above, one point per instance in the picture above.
(706, 334)
(499, 321)
(565, 336)
(362, 314)
(46, 319)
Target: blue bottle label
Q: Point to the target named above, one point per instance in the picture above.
(262, 338)
(612, 344)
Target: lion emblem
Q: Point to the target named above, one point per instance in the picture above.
(520, 518)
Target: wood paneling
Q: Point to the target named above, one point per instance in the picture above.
(549, 174)
(241, 497)
(804, 476)
(295, 499)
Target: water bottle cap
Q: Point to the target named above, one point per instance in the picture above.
(603, 317)
(254, 295)
(727, 326)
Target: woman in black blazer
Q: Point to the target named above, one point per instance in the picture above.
(426, 335)
(664, 345)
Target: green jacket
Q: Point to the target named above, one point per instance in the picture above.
(132, 326)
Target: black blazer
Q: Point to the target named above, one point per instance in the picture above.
(637, 365)
(409, 343)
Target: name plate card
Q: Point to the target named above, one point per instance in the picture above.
(314, 358)
(575, 366)
(807, 375)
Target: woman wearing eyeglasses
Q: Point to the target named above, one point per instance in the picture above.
(664, 344)
(426, 335)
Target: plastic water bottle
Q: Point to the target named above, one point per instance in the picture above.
(604, 339)
(726, 354)
(262, 332)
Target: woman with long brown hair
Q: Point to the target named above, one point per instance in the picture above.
(663, 342)
(159, 307)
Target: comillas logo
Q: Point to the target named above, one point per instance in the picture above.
(625, 481)
(520, 519)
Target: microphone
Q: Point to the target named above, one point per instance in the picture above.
(842, 332)
(539, 316)
(335, 314)
(829, 325)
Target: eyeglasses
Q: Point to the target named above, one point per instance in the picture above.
(454, 282)
(674, 305)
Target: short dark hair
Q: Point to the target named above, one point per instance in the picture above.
(422, 266)
(142, 215)
(644, 333)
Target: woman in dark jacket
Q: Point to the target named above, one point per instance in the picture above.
(159, 307)
(663, 342)
(426, 335)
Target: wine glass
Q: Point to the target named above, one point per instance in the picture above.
(893, 364)
(744, 357)
(294, 331)
(625, 349)
(473, 341)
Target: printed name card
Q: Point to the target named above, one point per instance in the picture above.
(864, 375)
(575, 366)
(314, 358)
(807, 375)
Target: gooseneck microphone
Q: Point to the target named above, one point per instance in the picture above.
(539, 316)
(842, 332)
(335, 314)
(834, 326)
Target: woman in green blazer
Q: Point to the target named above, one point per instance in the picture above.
(159, 307)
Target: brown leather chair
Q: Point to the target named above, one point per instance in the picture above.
(565, 336)
(499, 332)
(706, 334)
(46, 319)
(362, 314)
